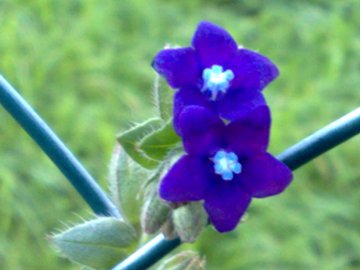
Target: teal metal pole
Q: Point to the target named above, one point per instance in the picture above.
(294, 157)
(41, 133)
(322, 140)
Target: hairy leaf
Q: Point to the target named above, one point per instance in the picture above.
(130, 139)
(158, 143)
(98, 243)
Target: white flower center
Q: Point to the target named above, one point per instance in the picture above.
(216, 80)
(226, 164)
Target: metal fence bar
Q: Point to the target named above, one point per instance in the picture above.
(40, 132)
(322, 140)
(294, 157)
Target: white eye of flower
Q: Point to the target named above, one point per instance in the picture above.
(216, 80)
(226, 164)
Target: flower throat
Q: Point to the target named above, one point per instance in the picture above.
(216, 80)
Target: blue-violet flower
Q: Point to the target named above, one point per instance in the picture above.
(226, 165)
(215, 73)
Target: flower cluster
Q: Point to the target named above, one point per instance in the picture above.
(224, 123)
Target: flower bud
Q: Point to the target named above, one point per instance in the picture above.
(154, 212)
(189, 220)
(168, 229)
(186, 260)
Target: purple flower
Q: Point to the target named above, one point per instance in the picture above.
(216, 74)
(225, 165)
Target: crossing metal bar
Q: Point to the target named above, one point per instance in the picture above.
(294, 157)
(41, 133)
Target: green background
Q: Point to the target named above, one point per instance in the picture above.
(84, 65)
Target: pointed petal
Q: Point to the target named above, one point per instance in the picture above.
(179, 67)
(187, 180)
(225, 204)
(249, 134)
(237, 103)
(265, 176)
(213, 44)
(186, 97)
(201, 130)
(252, 70)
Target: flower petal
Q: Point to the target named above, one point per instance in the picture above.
(237, 103)
(187, 180)
(186, 97)
(265, 176)
(225, 204)
(213, 44)
(249, 134)
(252, 70)
(180, 67)
(201, 130)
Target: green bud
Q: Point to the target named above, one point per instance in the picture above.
(186, 260)
(154, 212)
(168, 229)
(189, 220)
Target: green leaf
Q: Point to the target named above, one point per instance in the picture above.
(98, 243)
(158, 143)
(163, 95)
(126, 179)
(130, 139)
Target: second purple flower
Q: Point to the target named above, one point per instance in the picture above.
(225, 165)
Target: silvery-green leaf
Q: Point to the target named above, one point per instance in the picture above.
(131, 138)
(98, 243)
(158, 143)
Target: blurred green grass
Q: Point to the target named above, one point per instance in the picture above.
(84, 65)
